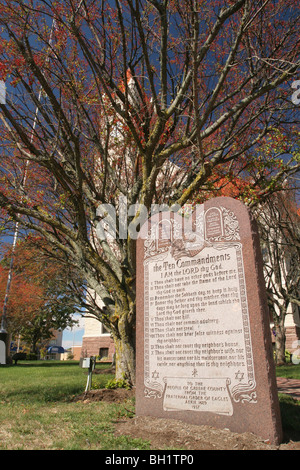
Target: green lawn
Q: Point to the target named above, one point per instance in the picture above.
(290, 371)
(37, 410)
(290, 409)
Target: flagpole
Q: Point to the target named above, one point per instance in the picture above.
(3, 331)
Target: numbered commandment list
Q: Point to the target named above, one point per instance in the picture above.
(198, 353)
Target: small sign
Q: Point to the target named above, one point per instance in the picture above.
(86, 363)
(2, 352)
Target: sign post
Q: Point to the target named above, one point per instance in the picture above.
(88, 363)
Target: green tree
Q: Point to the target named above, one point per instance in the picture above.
(40, 300)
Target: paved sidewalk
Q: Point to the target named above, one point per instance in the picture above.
(289, 386)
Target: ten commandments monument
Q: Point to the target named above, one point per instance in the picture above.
(203, 337)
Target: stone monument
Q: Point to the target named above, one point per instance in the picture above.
(204, 352)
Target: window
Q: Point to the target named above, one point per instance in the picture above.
(103, 352)
(104, 331)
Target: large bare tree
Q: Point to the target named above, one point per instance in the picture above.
(151, 100)
(279, 227)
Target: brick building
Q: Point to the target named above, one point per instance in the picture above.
(96, 340)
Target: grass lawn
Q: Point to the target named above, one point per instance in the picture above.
(290, 409)
(37, 411)
(290, 371)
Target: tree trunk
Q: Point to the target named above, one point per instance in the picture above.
(280, 343)
(33, 348)
(125, 350)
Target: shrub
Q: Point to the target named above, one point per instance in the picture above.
(19, 356)
(32, 357)
(117, 383)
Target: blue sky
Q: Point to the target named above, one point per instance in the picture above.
(73, 337)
